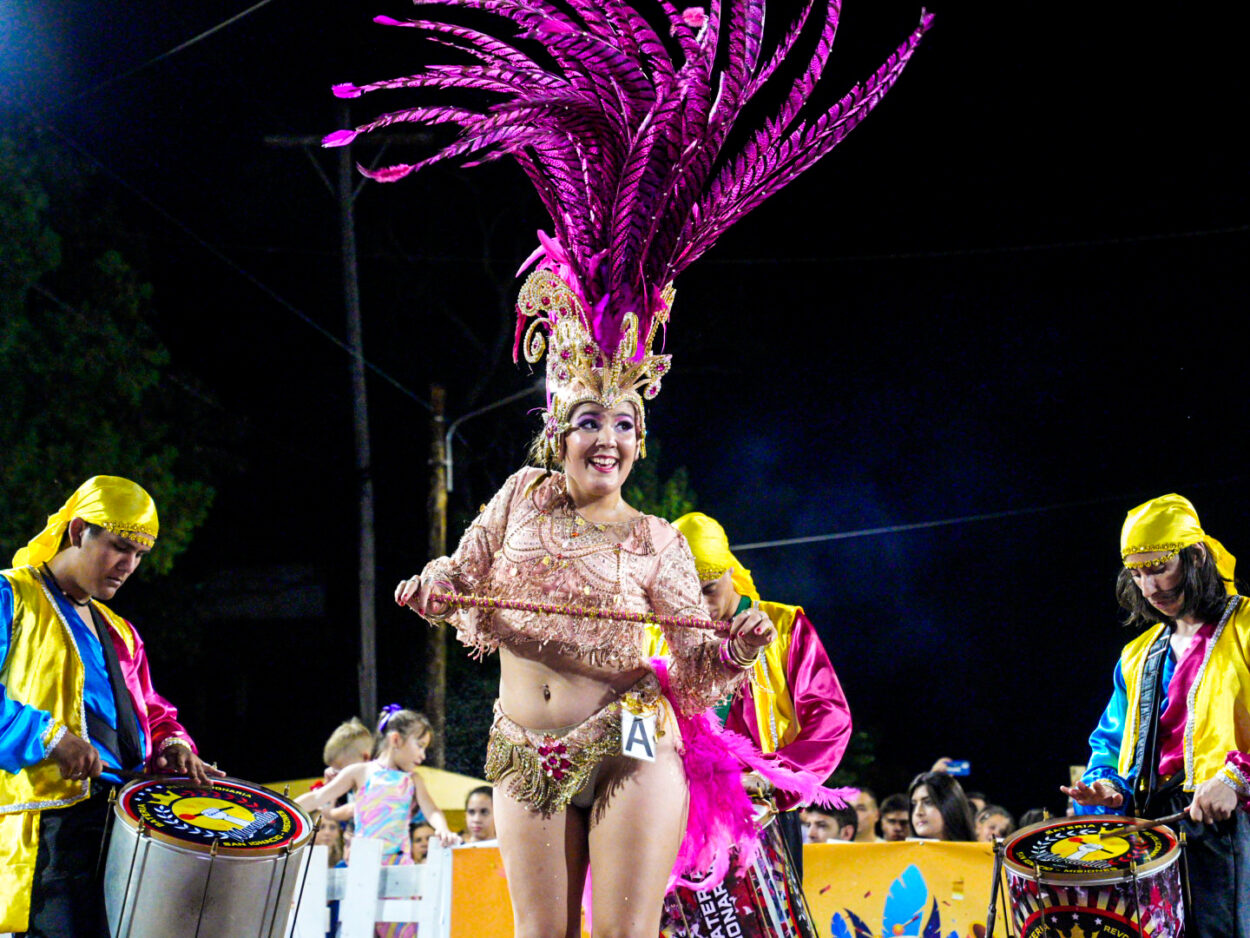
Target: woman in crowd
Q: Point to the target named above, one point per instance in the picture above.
(939, 808)
(479, 815)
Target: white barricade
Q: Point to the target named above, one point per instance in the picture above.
(369, 893)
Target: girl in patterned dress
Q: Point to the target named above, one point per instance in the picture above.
(388, 795)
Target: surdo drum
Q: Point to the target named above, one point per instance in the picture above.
(220, 862)
(766, 901)
(1066, 879)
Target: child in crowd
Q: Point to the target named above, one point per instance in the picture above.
(479, 815)
(330, 835)
(351, 742)
(421, 834)
(388, 793)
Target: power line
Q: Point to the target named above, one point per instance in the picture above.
(229, 262)
(923, 525)
(108, 83)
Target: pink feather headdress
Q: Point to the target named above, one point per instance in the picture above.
(623, 136)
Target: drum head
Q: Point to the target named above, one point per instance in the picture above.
(1073, 850)
(233, 816)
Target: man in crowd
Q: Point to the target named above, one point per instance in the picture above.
(868, 816)
(791, 705)
(825, 825)
(77, 708)
(1178, 721)
(895, 818)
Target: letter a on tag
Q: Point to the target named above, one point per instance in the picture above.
(638, 735)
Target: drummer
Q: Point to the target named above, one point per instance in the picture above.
(793, 707)
(1186, 682)
(76, 706)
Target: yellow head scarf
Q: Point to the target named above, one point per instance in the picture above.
(710, 546)
(1170, 524)
(113, 503)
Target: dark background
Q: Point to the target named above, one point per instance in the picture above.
(1017, 290)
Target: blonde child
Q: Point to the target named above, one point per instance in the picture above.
(387, 793)
(351, 742)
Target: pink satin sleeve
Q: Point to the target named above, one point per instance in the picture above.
(158, 716)
(820, 709)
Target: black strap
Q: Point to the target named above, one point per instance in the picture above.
(1146, 756)
(125, 739)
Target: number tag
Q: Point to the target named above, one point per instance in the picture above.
(638, 735)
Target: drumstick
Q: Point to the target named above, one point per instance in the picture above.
(1143, 825)
(585, 612)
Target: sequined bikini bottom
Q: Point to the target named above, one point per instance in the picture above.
(551, 769)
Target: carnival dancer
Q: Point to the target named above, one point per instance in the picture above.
(622, 129)
(388, 793)
(792, 705)
(76, 706)
(1174, 734)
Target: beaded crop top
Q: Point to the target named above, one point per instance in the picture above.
(530, 544)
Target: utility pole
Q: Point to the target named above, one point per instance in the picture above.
(368, 675)
(436, 664)
(344, 189)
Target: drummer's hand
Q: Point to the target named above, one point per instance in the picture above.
(76, 758)
(415, 594)
(752, 630)
(1213, 801)
(755, 784)
(179, 760)
(1101, 794)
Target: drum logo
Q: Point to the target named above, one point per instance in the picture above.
(229, 816)
(1081, 846)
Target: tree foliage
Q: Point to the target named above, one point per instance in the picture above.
(666, 498)
(80, 364)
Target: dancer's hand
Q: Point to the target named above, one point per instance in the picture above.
(752, 630)
(415, 594)
(1213, 801)
(1101, 794)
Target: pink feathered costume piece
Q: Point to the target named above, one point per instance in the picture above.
(720, 827)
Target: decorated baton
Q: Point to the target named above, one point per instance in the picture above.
(585, 612)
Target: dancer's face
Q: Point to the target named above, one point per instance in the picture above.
(600, 449)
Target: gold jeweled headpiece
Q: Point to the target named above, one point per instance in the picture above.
(553, 320)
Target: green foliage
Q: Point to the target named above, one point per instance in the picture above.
(668, 498)
(856, 767)
(80, 365)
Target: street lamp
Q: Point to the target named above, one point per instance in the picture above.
(448, 461)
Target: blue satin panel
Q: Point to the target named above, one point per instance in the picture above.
(21, 727)
(1105, 741)
(97, 693)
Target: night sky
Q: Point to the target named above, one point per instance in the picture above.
(1017, 290)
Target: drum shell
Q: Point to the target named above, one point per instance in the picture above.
(156, 886)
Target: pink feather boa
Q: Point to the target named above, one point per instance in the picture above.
(720, 828)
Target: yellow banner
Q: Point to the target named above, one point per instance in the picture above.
(913, 889)
(904, 890)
